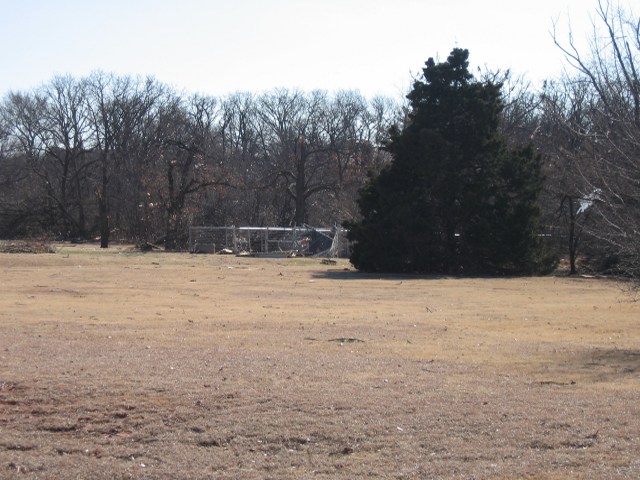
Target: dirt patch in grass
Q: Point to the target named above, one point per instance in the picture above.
(118, 364)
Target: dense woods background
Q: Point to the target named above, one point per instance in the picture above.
(122, 158)
(133, 159)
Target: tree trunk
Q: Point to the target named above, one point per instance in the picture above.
(573, 243)
(103, 209)
(170, 231)
(301, 207)
(104, 223)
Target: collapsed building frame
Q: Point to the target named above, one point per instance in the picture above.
(270, 241)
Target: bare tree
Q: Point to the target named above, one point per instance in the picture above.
(520, 118)
(66, 127)
(356, 131)
(320, 147)
(244, 150)
(121, 110)
(23, 150)
(609, 130)
(560, 135)
(188, 160)
(47, 128)
(294, 145)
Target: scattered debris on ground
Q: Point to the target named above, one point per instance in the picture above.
(347, 340)
(148, 247)
(20, 246)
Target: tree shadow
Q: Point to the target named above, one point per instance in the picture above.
(606, 364)
(349, 274)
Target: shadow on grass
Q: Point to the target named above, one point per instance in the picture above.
(618, 361)
(603, 365)
(349, 274)
(352, 274)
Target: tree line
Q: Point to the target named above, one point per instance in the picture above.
(133, 159)
(110, 155)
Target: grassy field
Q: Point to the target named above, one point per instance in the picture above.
(117, 364)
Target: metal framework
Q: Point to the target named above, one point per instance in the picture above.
(269, 241)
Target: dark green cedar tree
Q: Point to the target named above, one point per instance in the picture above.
(455, 199)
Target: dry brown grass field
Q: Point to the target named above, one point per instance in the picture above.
(118, 364)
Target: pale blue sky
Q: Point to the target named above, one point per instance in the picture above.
(218, 47)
